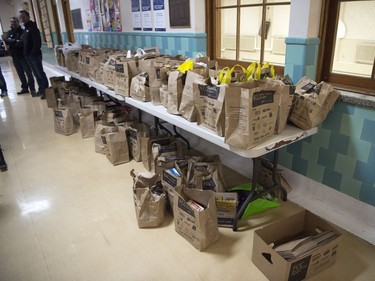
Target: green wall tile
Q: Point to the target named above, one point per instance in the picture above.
(350, 186)
(321, 138)
(171, 43)
(345, 165)
(364, 112)
(315, 172)
(351, 125)
(310, 152)
(359, 149)
(285, 158)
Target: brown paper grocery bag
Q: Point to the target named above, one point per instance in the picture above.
(134, 133)
(149, 199)
(209, 104)
(87, 122)
(195, 216)
(310, 108)
(117, 147)
(63, 121)
(187, 108)
(250, 113)
(100, 140)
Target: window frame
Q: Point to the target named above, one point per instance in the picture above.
(212, 48)
(327, 33)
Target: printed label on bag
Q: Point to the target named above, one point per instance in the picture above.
(119, 68)
(263, 97)
(211, 92)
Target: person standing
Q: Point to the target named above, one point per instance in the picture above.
(3, 85)
(32, 44)
(13, 40)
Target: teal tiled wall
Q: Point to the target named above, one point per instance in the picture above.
(301, 57)
(188, 44)
(341, 155)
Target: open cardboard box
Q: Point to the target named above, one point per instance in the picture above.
(274, 266)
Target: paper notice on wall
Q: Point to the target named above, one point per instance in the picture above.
(146, 15)
(159, 15)
(136, 14)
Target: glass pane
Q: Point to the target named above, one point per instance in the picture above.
(355, 39)
(223, 3)
(251, 19)
(278, 27)
(244, 2)
(227, 19)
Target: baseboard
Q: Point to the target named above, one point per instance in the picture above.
(346, 212)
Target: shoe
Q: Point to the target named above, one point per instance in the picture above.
(34, 94)
(4, 94)
(23, 91)
(43, 96)
(3, 164)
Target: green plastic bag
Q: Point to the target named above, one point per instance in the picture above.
(258, 205)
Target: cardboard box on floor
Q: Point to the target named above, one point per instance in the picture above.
(274, 266)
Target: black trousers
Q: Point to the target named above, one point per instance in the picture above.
(22, 68)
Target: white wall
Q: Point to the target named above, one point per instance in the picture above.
(9, 9)
(197, 16)
(304, 18)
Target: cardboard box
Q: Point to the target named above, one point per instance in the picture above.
(275, 267)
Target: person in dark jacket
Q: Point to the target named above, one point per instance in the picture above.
(13, 40)
(32, 43)
(3, 85)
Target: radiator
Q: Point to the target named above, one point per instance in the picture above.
(278, 46)
(365, 53)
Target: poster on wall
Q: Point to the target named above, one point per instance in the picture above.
(146, 15)
(136, 15)
(159, 15)
(94, 16)
(110, 18)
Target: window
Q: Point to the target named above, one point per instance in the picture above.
(244, 31)
(348, 45)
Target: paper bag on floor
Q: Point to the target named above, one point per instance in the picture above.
(149, 199)
(117, 147)
(134, 133)
(64, 123)
(87, 123)
(195, 216)
(100, 140)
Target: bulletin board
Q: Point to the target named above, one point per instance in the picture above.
(104, 15)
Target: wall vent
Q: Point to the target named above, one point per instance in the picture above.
(365, 53)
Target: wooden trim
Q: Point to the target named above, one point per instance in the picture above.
(330, 15)
(56, 21)
(68, 21)
(209, 28)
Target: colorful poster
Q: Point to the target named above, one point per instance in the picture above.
(136, 14)
(146, 15)
(95, 16)
(159, 15)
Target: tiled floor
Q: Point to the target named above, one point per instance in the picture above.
(67, 214)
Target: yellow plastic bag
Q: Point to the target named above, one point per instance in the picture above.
(226, 74)
(185, 66)
(267, 70)
(251, 71)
